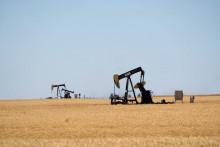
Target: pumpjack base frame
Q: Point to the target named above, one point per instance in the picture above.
(120, 100)
(164, 103)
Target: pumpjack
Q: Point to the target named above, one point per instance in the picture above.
(145, 94)
(66, 92)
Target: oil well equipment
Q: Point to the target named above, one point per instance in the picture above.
(58, 91)
(146, 97)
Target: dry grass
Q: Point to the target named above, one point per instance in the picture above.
(90, 122)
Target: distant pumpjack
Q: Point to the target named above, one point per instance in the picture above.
(66, 92)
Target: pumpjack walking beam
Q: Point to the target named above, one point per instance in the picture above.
(128, 74)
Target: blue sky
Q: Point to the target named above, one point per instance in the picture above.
(84, 43)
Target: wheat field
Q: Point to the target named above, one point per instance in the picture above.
(94, 122)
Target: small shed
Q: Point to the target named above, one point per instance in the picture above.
(75, 96)
(192, 99)
(178, 95)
